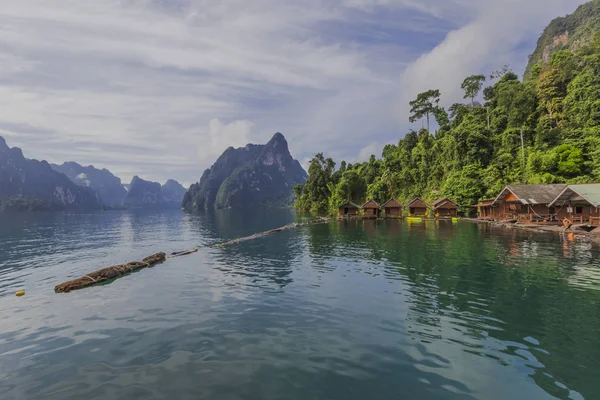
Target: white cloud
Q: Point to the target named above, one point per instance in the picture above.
(483, 45)
(221, 136)
(160, 88)
(365, 153)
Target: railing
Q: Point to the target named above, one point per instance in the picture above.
(589, 219)
(541, 218)
(544, 218)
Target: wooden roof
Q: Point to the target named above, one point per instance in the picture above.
(371, 204)
(584, 193)
(392, 203)
(531, 194)
(485, 203)
(417, 203)
(444, 202)
(348, 204)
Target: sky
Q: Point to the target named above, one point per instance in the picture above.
(160, 88)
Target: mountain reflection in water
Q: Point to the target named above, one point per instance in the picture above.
(345, 310)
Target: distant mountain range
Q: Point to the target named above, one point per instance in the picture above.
(108, 186)
(31, 185)
(144, 194)
(251, 176)
(27, 184)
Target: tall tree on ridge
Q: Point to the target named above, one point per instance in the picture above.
(472, 86)
(424, 105)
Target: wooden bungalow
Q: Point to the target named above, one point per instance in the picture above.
(485, 209)
(392, 209)
(579, 203)
(371, 209)
(527, 203)
(348, 209)
(418, 208)
(445, 207)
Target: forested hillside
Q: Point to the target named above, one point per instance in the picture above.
(570, 32)
(545, 129)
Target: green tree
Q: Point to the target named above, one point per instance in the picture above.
(315, 194)
(472, 86)
(545, 129)
(424, 106)
(441, 117)
(465, 186)
(298, 190)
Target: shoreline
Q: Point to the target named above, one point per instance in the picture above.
(577, 234)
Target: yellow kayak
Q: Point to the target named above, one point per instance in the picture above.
(414, 219)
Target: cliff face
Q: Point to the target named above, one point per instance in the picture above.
(146, 194)
(31, 184)
(570, 32)
(108, 186)
(142, 193)
(251, 176)
(172, 193)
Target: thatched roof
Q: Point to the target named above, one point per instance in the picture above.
(589, 193)
(392, 203)
(531, 194)
(444, 202)
(349, 204)
(417, 203)
(371, 204)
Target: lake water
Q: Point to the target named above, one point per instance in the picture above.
(345, 310)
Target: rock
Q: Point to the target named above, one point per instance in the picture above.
(107, 185)
(172, 193)
(143, 193)
(27, 184)
(247, 177)
(146, 194)
(570, 32)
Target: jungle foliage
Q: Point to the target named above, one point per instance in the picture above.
(545, 129)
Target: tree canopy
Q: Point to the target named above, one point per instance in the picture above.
(472, 86)
(545, 129)
(424, 106)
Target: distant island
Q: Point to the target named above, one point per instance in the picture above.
(246, 177)
(32, 185)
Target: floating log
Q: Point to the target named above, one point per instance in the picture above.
(116, 271)
(183, 253)
(109, 273)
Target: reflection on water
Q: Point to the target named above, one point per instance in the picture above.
(345, 310)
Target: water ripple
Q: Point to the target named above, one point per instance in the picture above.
(346, 310)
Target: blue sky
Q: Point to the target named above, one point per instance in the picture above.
(159, 88)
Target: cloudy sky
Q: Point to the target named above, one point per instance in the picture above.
(159, 88)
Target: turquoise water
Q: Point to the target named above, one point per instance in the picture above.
(345, 310)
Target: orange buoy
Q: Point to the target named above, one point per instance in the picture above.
(567, 223)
